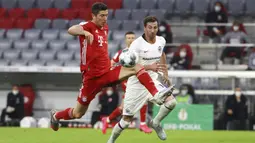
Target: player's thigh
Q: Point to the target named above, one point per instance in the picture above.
(134, 101)
(121, 104)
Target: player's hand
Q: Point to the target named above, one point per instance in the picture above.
(162, 67)
(230, 112)
(89, 37)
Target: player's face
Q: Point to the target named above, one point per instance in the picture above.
(129, 39)
(151, 29)
(101, 18)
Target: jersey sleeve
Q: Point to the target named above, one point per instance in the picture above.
(84, 26)
(116, 57)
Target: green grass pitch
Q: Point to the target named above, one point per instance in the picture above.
(18, 135)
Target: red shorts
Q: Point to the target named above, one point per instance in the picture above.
(91, 86)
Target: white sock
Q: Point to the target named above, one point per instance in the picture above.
(118, 128)
(164, 110)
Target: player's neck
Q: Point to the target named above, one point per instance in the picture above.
(151, 41)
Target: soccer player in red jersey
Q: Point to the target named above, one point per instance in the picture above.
(96, 67)
(129, 38)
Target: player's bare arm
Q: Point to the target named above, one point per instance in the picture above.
(77, 30)
(165, 71)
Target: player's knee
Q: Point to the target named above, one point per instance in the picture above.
(78, 115)
(128, 118)
(171, 103)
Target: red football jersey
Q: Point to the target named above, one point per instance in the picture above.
(117, 56)
(95, 60)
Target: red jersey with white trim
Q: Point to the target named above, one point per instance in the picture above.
(117, 56)
(94, 58)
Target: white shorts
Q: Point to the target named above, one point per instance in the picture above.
(136, 98)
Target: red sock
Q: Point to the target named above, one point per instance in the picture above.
(146, 81)
(66, 114)
(117, 112)
(143, 113)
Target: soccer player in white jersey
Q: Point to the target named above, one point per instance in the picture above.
(149, 48)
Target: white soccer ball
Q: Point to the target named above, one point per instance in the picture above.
(128, 58)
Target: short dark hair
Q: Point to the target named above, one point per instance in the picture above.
(129, 32)
(98, 6)
(149, 19)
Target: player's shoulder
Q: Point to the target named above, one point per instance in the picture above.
(161, 39)
(84, 23)
(138, 40)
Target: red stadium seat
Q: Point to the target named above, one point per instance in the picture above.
(2, 12)
(69, 14)
(6, 23)
(35, 13)
(24, 23)
(91, 2)
(79, 4)
(16, 13)
(116, 4)
(85, 14)
(52, 13)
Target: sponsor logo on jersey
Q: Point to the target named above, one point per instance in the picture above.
(159, 49)
(154, 58)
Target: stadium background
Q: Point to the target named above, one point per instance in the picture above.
(35, 48)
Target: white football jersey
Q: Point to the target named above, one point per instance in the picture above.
(148, 54)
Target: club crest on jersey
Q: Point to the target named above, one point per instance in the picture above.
(96, 31)
(159, 48)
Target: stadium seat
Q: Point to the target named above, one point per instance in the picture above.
(91, 2)
(51, 13)
(144, 4)
(26, 4)
(236, 7)
(77, 56)
(130, 4)
(18, 63)
(2, 33)
(14, 34)
(24, 23)
(63, 35)
(79, 4)
(114, 24)
(73, 45)
(75, 21)
(54, 63)
(8, 4)
(65, 55)
(72, 63)
(84, 14)
(11, 54)
(3, 12)
(21, 44)
(110, 14)
(69, 14)
(60, 24)
(119, 35)
(166, 4)
(39, 44)
(56, 45)
(6, 23)
(5, 44)
(50, 34)
(32, 34)
(4, 62)
(200, 7)
(130, 25)
(139, 14)
(29, 54)
(42, 23)
(159, 13)
(16, 13)
(36, 63)
(44, 4)
(122, 14)
(250, 7)
(183, 7)
(61, 4)
(116, 4)
(35, 13)
(47, 55)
